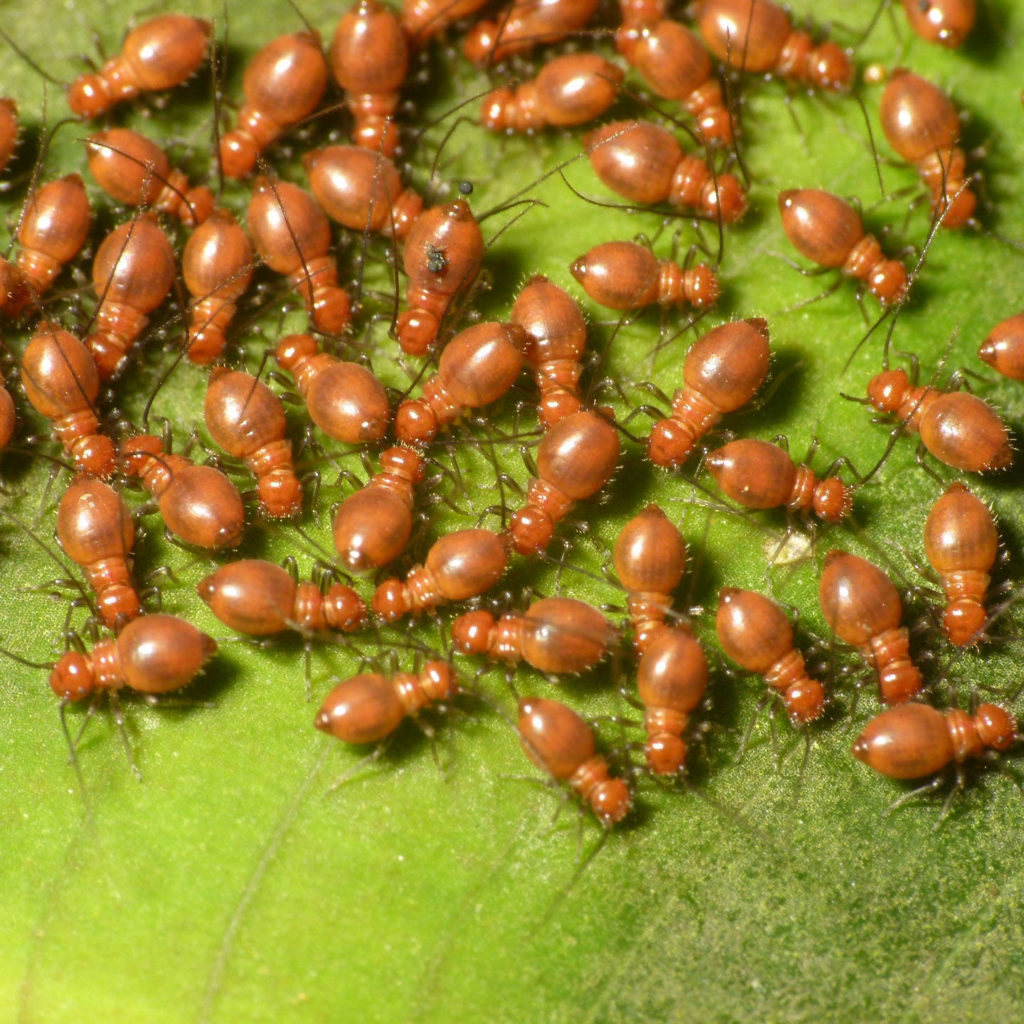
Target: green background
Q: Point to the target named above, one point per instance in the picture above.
(233, 883)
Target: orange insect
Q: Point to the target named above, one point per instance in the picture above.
(293, 237)
(556, 739)
(8, 416)
(650, 559)
(758, 36)
(345, 400)
(53, 230)
(62, 383)
(159, 54)
(946, 22)
(671, 677)
(373, 525)
(362, 190)
(152, 654)
(570, 90)
(556, 635)
(830, 232)
(135, 170)
(258, 598)
(8, 130)
(758, 474)
(722, 372)
(246, 419)
(626, 275)
(556, 337)
(863, 608)
(756, 634)
(957, 428)
(132, 273)
(477, 367)
(459, 566)
(915, 740)
(199, 504)
(575, 460)
(961, 543)
(283, 84)
(676, 66)
(369, 59)
(923, 126)
(1003, 349)
(217, 265)
(644, 163)
(96, 530)
(370, 707)
(524, 25)
(423, 19)
(443, 253)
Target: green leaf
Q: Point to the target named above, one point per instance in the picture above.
(236, 882)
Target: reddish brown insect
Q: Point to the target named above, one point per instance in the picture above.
(672, 675)
(946, 22)
(442, 256)
(674, 63)
(345, 400)
(160, 54)
(135, 170)
(625, 275)
(644, 163)
(370, 707)
(915, 740)
(8, 416)
(756, 634)
(575, 460)
(556, 739)
(132, 273)
(369, 60)
(53, 230)
(199, 504)
(570, 90)
(830, 232)
(459, 566)
(1003, 349)
(863, 608)
(758, 36)
(259, 598)
(556, 337)
(246, 419)
(96, 530)
(217, 265)
(152, 654)
(650, 559)
(957, 428)
(422, 19)
(362, 190)
(373, 525)
(282, 84)
(8, 130)
(922, 125)
(62, 383)
(722, 372)
(524, 25)
(293, 237)
(642, 12)
(758, 474)
(476, 368)
(961, 543)
(556, 635)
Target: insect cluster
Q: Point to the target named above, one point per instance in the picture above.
(394, 436)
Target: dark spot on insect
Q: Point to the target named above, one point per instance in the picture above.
(437, 262)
